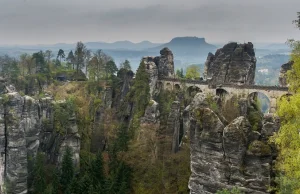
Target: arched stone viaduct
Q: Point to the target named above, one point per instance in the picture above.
(273, 93)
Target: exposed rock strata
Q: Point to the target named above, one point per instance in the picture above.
(234, 64)
(173, 126)
(158, 67)
(23, 131)
(225, 156)
(283, 73)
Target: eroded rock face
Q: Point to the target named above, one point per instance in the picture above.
(283, 70)
(166, 63)
(234, 63)
(26, 126)
(152, 70)
(225, 156)
(159, 67)
(173, 126)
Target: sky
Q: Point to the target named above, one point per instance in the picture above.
(219, 21)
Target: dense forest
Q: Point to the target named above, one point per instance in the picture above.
(126, 164)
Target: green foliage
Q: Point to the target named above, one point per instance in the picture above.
(193, 72)
(110, 68)
(234, 190)
(139, 94)
(60, 55)
(62, 113)
(293, 78)
(287, 139)
(55, 181)
(97, 170)
(125, 65)
(70, 60)
(179, 73)
(212, 103)
(79, 56)
(40, 63)
(255, 116)
(67, 170)
(39, 174)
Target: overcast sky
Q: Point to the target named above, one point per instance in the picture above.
(219, 21)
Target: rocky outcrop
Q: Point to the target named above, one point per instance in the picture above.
(26, 127)
(166, 63)
(283, 70)
(233, 64)
(227, 156)
(158, 67)
(152, 70)
(173, 126)
(21, 128)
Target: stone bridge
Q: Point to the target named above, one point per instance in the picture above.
(273, 93)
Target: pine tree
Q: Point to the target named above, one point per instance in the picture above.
(67, 169)
(55, 181)
(39, 174)
(140, 93)
(84, 184)
(97, 170)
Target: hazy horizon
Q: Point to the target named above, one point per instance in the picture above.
(135, 42)
(31, 22)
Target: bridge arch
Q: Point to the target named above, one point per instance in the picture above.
(168, 86)
(261, 99)
(193, 90)
(177, 87)
(222, 93)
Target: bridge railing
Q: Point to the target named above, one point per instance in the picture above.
(204, 82)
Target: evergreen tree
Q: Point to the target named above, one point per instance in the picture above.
(80, 54)
(39, 174)
(110, 68)
(125, 65)
(67, 170)
(140, 92)
(179, 73)
(60, 55)
(40, 63)
(84, 184)
(71, 59)
(55, 181)
(97, 170)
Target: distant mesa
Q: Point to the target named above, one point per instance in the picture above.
(187, 46)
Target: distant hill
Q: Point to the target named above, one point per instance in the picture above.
(187, 46)
(121, 45)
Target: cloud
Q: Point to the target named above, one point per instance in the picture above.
(39, 21)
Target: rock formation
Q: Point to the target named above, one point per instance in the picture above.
(24, 131)
(173, 126)
(166, 63)
(227, 156)
(233, 64)
(283, 70)
(159, 67)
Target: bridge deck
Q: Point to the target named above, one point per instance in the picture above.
(202, 82)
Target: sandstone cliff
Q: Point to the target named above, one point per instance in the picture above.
(283, 70)
(234, 64)
(27, 126)
(227, 156)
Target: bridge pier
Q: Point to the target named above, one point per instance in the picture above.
(273, 105)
